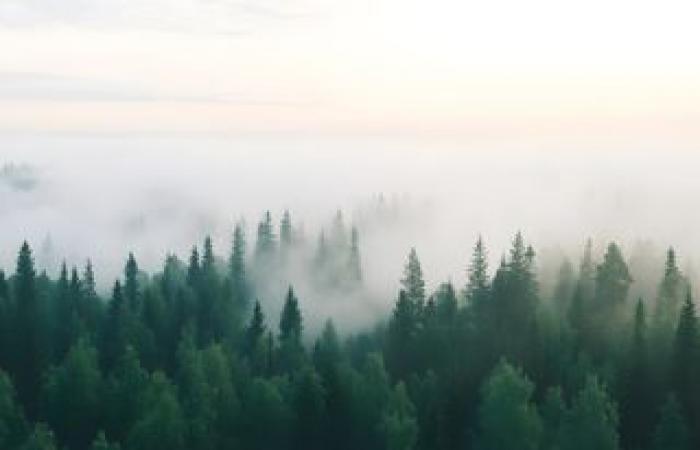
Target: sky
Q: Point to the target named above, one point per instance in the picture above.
(616, 73)
(142, 126)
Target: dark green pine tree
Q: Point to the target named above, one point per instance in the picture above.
(478, 284)
(291, 351)
(671, 432)
(515, 300)
(91, 303)
(116, 333)
(41, 438)
(131, 285)
(265, 245)
(193, 269)
(686, 364)
(254, 345)
(413, 283)
(31, 346)
(64, 315)
(401, 337)
(613, 280)
(237, 269)
(308, 402)
(637, 403)
(7, 322)
(214, 312)
(669, 301)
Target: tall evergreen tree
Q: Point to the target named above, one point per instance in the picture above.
(31, 346)
(686, 363)
(413, 283)
(131, 285)
(637, 402)
(291, 351)
(477, 290)
(237, 268)
(265, 244)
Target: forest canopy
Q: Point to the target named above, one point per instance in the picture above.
(203, 355)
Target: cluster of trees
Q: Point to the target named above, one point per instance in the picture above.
(186, 358)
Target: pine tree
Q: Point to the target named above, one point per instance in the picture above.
(237, 268)
(131, 285)
(31, 351)
(412, 282)
(193, 270)
(612, 284)
(65, 314)
(478, 289)
(669, 301)
(291, 351)
(265, 243)
(290, 321)
(637, 406)
(686, 362)
(254, 339)
(401, 337)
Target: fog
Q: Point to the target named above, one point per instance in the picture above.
(96, 197)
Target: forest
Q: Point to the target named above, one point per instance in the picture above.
(199, 356)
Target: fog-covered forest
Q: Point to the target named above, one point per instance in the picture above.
(219, 350)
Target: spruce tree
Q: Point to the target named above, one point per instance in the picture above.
(31, 351)
(637, 403)
(413, 283)
(131, 285)
(477, 290)
(686, 363)
(237, 268)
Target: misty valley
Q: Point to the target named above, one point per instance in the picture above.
(239, 348)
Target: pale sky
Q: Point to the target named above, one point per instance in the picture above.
(615, 70)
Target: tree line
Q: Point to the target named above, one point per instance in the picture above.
(186, 358)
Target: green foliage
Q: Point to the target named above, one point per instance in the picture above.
(41, 438)
(592, 420)
(72, 396)
(508, 419)
(176, 360)
(672, 431)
